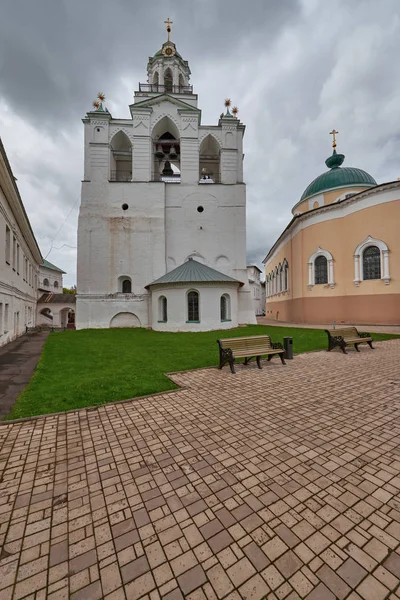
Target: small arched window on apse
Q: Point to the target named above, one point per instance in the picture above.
(56, 284)
(371, 261)
(320, 269)
(193, 312)
(225, 307)
(168, 80)
(46, 282)
(162, 310)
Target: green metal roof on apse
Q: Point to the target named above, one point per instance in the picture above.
(338, 177)
(193, 271)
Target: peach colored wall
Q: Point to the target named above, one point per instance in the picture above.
(303, 207)
(364, 310)
(341, 237)
(284, 252)
(331, 197)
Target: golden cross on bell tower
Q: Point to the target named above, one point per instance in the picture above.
(333, 132)
(168, 24)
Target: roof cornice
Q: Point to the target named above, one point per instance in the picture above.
(12, 195)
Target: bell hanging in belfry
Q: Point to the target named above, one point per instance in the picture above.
(167, 170)
(172, 153)
(159, 152)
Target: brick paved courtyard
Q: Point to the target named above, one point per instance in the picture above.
(279, 484)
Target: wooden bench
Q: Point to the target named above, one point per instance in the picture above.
(347, 336)
(250, 347)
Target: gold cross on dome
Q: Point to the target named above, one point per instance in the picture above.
(333, 132)
(168, 24)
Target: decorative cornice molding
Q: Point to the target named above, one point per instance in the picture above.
(301, 219)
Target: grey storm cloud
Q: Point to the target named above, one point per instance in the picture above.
(296, 69)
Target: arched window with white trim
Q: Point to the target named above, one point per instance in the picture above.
(279, 273)
(285, 276)
(320, 268)
(371, 261)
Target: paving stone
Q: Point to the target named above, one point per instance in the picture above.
(256, 556)
(351, 572)
(192, 579)
(288, 564)
(170, 496)
(221, 584)
(392, 564)
(372, 589)
(333, 582)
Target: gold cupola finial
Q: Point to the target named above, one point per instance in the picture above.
(333, 133)
(168, 24)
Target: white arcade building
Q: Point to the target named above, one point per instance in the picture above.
(162, 223)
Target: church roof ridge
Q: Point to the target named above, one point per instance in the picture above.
(192, 271)
(48, 265)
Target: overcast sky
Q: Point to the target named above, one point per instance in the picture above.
(295, 68)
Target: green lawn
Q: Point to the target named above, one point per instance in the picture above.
(95, 366)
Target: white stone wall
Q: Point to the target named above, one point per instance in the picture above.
(256, 290)
(59, 313)
(18, 278)
(52, 277)
(209, 307)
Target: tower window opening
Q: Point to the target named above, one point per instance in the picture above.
(121, 158)
(168, 81)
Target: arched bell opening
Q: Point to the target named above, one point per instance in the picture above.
(209, 160)
(166, 151)
(120, 158)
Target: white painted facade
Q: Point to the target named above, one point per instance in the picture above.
(256, 289)
(55, 314)
(19, 260)
(50, 280)
(141, 216)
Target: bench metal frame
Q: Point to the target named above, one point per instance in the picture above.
(342, 341)
(268, 348)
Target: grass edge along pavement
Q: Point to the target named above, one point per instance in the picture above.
(90, 367)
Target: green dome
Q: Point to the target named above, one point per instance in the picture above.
(338, 177)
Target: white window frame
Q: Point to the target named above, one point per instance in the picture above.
(311, 267)
(358, 260)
